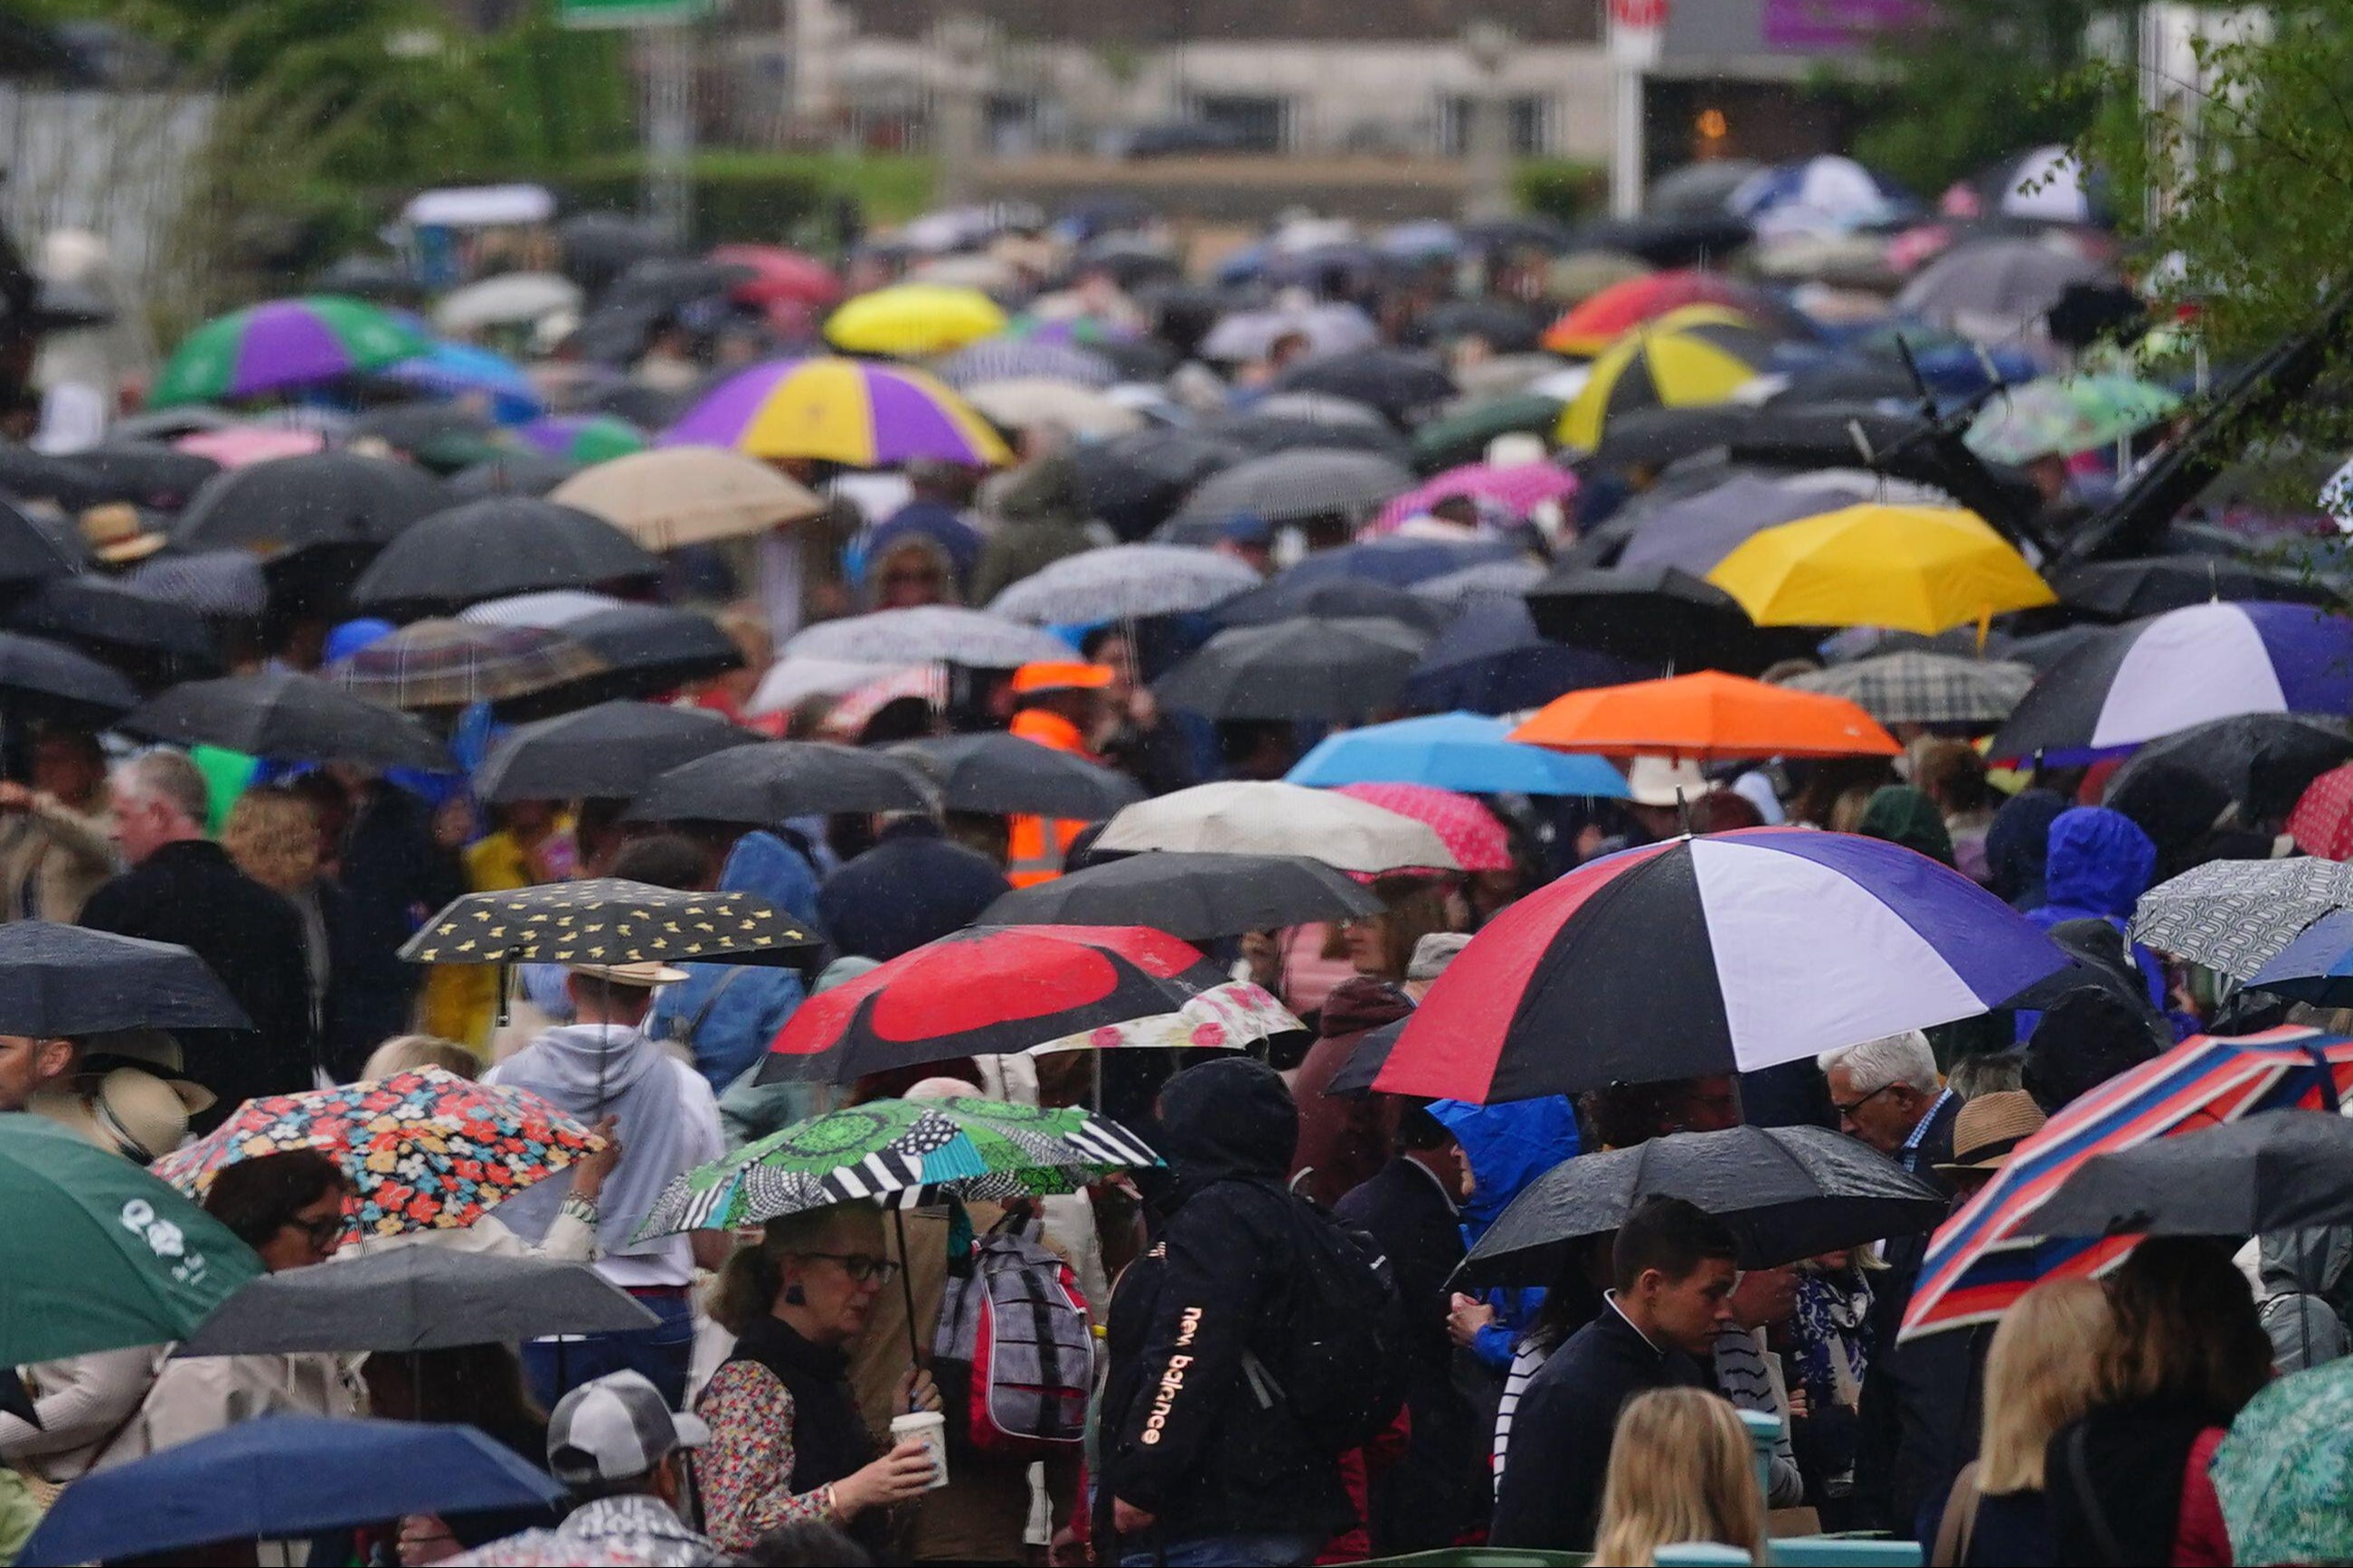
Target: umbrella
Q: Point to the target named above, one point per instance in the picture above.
(2282, 1473)
(287, 716)
(610, 752)
(915, 1152)
(1471, 833)
(1297, 668)
(1504, 327)
(509, 298)
(2153, 678)
(936, 633)
(584, 438)
(415, 1299)
(1123, 583)
(239, 445)
(504, 544)
(1914, 568)
(987, 991)
(425, 431)
(649, 651)
(853, 412)
(1655, 438)
(1482, 584)
(1029, 402)
(1491, 659)
(278, 1477)
(1821, 194)
(549, 609)
(599, 247)
(2261, 762)
(1396, 383)
(1135, 483)
(1462, 437)
(98, 1254)
(1399, 562)
(1786, 1192)
(140, 472)
(476, 375)
(1466, 752)
(1305, 482)
(2285, 1170)
(283, 344)
(1693, 531)
(775, 275)
(328, 499)
(1685, 358)
(912, 320)
(1239, 817)
(775, 779)
(2058, 419)
(1197, 897)
(605, 920)
(1655, 617)
(41, 679)
(2129, 590)
(1917, 687)
(507, 474)
(1329, 329)
(2314, 967)
(1708, 717)
(1991, 1251)
(1591, 327)
(154, 637)
(454, 664)
(1701, 189)
(1024, 359)
(1518, 488)
(28, 554)
(2237, 916)
(60, 981)
(1005, 774)
(1680, 959)
(1995, 289)
(1330, 598)
(228, 583)
(2322, 821)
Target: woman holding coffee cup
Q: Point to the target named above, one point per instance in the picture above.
(787, 1440)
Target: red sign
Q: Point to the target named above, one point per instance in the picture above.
(1642, 16)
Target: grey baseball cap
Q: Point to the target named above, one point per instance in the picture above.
(617, 1428)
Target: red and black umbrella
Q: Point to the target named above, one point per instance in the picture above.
(988, 991)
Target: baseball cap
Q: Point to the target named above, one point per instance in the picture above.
(616, 1428)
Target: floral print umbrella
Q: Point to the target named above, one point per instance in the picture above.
(425, 1150)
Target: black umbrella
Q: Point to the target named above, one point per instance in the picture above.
(1331, 598)
(1136, 482)
(1516, 232)
(650, 648)
(1654, 437)
(1197, 896)
(157, 640)
(2128, 590)
(1269, 435)
(1003, 774)
(1505, 327)
(600, 246)
(510, 474)
(42, 679)
(2175, 787)
(610, 752)
(1298, 669)
(1658, 616)
(1491, 659)
(607, 921)
(287, 717)
(1397, 382)
(487, 549)
(1786, 1192)
(778, 779)
(411, 1298)
(1354, 1078)
(320, 501)
(413, 426)
(2283, 1170)
(144, 473)
(61, 981)
(28, 554)
(1667, 241)
(648, 408)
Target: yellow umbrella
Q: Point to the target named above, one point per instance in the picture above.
(914, 320)
(1922, 569)
(1689, 358)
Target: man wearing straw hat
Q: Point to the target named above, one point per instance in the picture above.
(602, 1065)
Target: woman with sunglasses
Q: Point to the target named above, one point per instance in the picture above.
(788, 1442)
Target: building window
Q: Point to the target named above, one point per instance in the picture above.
(1258, 125)
(1532, 121)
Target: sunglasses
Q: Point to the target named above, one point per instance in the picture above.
(862, 1268)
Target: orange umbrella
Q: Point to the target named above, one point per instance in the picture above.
(1707, 717)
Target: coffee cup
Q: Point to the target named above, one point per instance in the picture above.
(930, 1428)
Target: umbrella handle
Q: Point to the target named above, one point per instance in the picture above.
(907, 1286)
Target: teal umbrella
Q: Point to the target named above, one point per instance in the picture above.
(2284, 1475)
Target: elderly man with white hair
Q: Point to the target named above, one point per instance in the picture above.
(1889, 1095)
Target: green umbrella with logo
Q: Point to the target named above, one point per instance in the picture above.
(98, 1255)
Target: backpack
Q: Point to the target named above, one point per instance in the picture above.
(1014, 1352)
(1342, 1366)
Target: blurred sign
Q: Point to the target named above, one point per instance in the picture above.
(630, 13)
(1835, 27)
(1635, 28)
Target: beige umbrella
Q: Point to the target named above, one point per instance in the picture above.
(688, 495)
(1239, 817)
(1030, 400)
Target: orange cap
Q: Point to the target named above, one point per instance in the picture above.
(1061, 675)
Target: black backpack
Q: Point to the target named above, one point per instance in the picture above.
(1341, 1368)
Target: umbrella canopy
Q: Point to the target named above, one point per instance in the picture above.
(2285, 1170)
(1915, 568)
(235, 446)
(41, 679)
(605, 920)
(1471, 833)
(1005, 774)
(1694, 531)
(1517, 488)
(1680, 959)
(1027, 403)
(1462, 437)
(1398, 562)
(1135, 483)
(511, 298)
(2260, 761)
(1786, 1192)
(325, 499)
(1466, 752)
(152, 638)
(462, 370)
(2282, 1473)
(287, 716)
(1298, 669)
(914, 1152)
(28, 553)
(1125, 582)
(2129, 590)
(1306, 481)
(648, 650)
(927, 633)
(1398, 383)
(280, 1476)
(454, 664)
(1024, 359)
(1253, 818)
(774, 275)
(284, 344)
(1193, 896)
(2059, 418)
(1482, 583)
(2322, 821)
(1591, 327)
(1917, 687)
(1655, 617)
(1491, 659)
(688, 495)
(412, 1299)
(1993, 1251)
(1330, 327)
(2238, 915)
(1997, 290)
(583, 437)
(913, 320)
(507, 474)
(2156, 676)
(1708, 717)
(98, 1254)
(775, 779)
(611, 751)
(548, 609)
(228, 583)
(853, 412)
(1685, 360)
(2315, 967)
(1329, 598)
(60, 981)
(501, 544)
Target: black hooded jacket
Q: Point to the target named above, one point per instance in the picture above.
(1184, 1438)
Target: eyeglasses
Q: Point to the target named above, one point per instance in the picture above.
(1848, 1108)
(321, 1234)
(861, 1267)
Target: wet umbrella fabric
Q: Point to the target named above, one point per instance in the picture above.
(41, 679)
(1656, 616)
(2322, 821)
(611, 751)
(2285, 1170)
(1466, 752)
(508, 474)
(1491, 659)
(28, 554)
(61, 981)
(688, 495)
(2129, 590)
(453, 664)
(2282, 1474)
(927, 633)
(1917, 687)
(1399, 562)
(1297, 668)
(509, 545)
(1331, 599)
(648, 649)
(1786, 1192)
(1247, 817)
(1135, 483)
(773, 781)
(2237, 916)
(605, 920)
(1307, 481)
(2261, 761)
(1197, 897)
(1707, 717)
(282, 1476)
(412, 1299)
(287, 716)
(1396, 383)
(1005, 774)
(112, 619)
(338, 499)
(1125, 582)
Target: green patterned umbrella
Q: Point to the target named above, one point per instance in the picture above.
(912, 1152)
(2080, 414)
(2284, 1475)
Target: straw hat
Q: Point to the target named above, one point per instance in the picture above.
(643, 977)
(116, 535)
(131, 1111)
(1988, 1128)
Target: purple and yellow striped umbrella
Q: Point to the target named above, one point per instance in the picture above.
(853, 412)
(283, 344)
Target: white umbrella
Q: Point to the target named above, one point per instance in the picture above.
(1027, 401)
(546, 610)
(1329, 329)
(937, 634)
(508, 298)
(1125, 582)
(1250, 818)
(790, 680)
(688, 495)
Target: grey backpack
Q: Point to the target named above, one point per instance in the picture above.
(1014, 1353)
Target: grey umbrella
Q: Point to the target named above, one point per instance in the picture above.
(768, 782)
(1125, 582)
(1005, 774)
(1193, 896)
(2238, 915)
(927, 633)
(414, 1298)
(1996, 287)
(1298, 669)
(2282, 1170)
(610, 752)
(1307, 481)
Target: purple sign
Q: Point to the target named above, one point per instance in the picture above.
(1834, 27)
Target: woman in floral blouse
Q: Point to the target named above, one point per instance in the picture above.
(786, 1439)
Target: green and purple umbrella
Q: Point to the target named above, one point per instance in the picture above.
(283, 344)
(585, 437)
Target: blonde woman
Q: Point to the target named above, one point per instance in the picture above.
(2038, 1378)
(1680, 1469)
(272, 833)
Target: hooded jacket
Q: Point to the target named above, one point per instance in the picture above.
(1340, 1141)
(1040, 520)
(1507, 1146)
(1907, 816)
(2017, 844)
(2099, 865)
(727, 1013)
(1183, 1437)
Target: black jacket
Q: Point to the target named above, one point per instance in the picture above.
(1439, 1489)
(249, 936)
(1183, 1437)
(912, 888)
(394, 877)
(1551, 1494)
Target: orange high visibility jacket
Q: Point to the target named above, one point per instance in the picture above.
(1037, 843)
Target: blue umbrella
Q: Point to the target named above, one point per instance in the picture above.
(282, 1476)
(1491, 659)
(461, 370)
(2316, 967)
(1466, 752)
(1399, 562)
